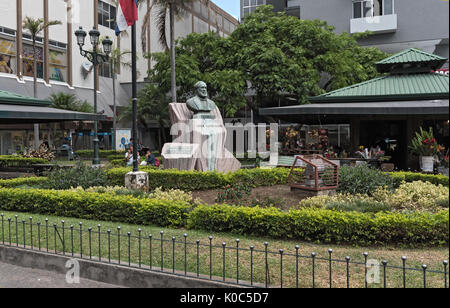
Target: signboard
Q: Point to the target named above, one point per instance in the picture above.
(123, 137)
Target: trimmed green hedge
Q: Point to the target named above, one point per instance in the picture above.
(101, 153)
(325, 226)
(95, 206)
(314, 225)
(195, 180)
(20, 161)
(415, 176)
(22, 181)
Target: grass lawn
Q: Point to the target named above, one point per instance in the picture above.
(153, 250)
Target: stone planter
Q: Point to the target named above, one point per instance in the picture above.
(427, 164)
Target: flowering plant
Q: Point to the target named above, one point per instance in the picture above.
(424, 144)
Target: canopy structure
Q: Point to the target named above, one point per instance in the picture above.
(15, 108)
(410, 88)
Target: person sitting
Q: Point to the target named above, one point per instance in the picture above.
(129, 157)
(150, 160)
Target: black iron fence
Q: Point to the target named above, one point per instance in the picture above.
(254, 266)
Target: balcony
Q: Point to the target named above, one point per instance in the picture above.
(376, 24)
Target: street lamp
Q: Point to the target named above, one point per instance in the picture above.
(95, 58)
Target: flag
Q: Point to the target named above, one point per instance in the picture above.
(127, 14)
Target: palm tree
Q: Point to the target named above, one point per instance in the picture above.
(35, 27)
(176, 8)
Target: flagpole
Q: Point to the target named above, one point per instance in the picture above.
(134, 95)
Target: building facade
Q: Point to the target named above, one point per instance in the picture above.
(61, 68)
(396, 24)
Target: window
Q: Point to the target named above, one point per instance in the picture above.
(105, 70)
(7, 56)
(250, 6)
(371, 8)
(28, 61)
(107, 15)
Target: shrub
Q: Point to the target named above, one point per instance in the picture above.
(106, 207)
(234, 194)
(101, 153)
(80, 176)
(31, 181)
(361, 205)
(399, 177)
(195, 180)
(20, 161)
(325, 226)
(362, 179)
(416, 196)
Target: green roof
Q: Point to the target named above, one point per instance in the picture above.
(392, 87)
(410, 60)
(17, 99)
(410, 56)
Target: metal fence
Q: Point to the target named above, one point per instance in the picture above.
(203, 259)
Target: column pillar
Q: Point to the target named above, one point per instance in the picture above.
(69, 43)
(46, 47)
(19, 48)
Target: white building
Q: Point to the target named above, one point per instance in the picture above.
(61, 68)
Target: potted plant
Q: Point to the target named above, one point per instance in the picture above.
(426, 147)
(444, 164)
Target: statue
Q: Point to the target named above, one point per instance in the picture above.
(204, 122)
(200, 136)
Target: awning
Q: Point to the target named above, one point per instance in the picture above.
(37, 114)
(401, 108)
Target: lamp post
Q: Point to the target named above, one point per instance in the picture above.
(95, 58)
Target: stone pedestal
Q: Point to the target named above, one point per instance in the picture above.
(137, 181)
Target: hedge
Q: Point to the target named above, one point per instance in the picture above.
(314, 225)
(20, 161)
(195, 180)
(415, 176)
(22, 181)
(101, 153)
(325, 226)
(95, 206)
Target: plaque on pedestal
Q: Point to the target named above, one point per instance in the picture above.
(181, 156)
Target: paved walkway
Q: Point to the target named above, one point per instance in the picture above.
(12, 276)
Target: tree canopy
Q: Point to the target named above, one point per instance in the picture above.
(273, 54)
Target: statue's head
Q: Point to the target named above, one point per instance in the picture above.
(201, 89)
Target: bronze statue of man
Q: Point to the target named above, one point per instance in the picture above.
(200, 104)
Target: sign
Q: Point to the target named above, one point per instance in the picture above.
(123, 137)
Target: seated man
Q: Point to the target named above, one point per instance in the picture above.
(150, 160)
(129, 157)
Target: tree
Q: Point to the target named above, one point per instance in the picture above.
(282, 55)
(203, 57)
(69, 102)
(152, 105)
(35, 27)
(176, 8)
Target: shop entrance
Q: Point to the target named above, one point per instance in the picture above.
(390, 136)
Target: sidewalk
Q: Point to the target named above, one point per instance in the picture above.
(12, 276)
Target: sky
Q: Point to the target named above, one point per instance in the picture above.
(232, 7)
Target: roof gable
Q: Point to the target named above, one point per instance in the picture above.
(410, 60)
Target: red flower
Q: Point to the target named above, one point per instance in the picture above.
(426, 141)
(433, 140)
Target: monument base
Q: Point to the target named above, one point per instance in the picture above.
(137, 181)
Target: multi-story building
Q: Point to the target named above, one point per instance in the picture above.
(396, 24)
(61, 68)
